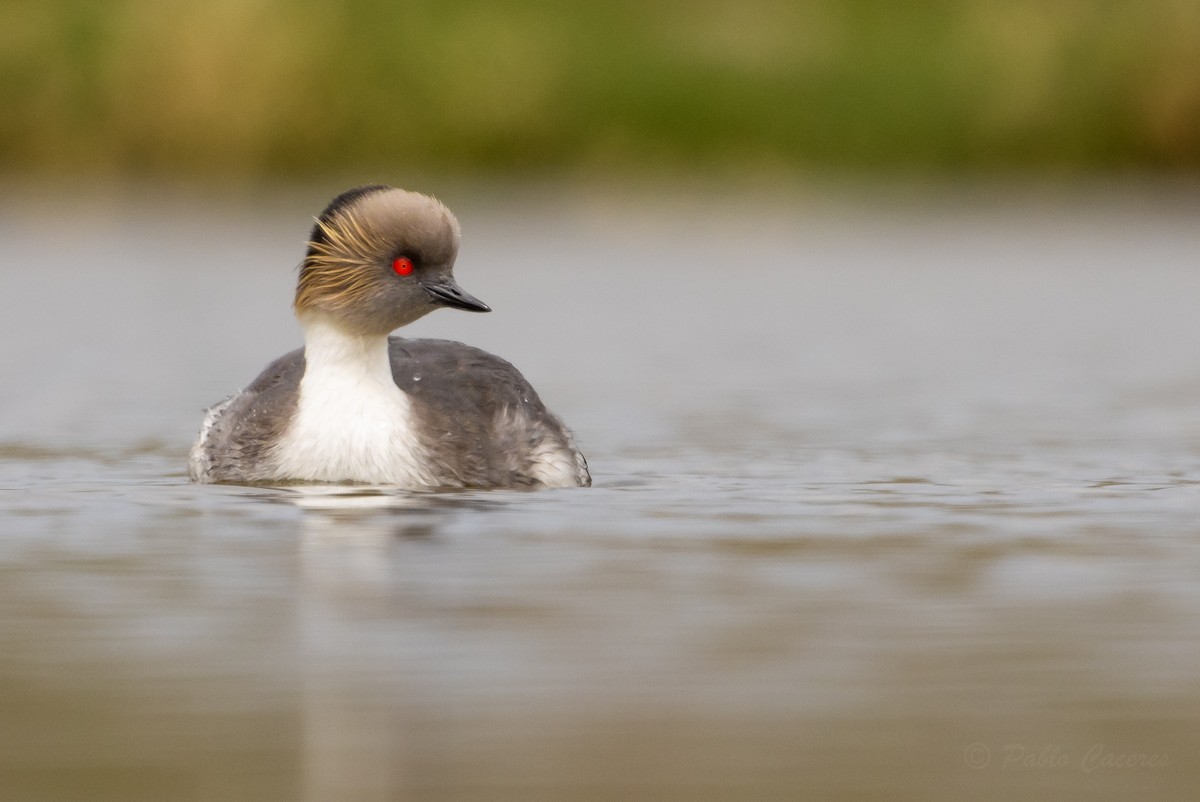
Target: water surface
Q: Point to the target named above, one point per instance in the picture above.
(893, 499)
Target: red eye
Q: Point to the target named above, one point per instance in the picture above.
(403, 266)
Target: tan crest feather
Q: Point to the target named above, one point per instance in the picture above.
(334, 274)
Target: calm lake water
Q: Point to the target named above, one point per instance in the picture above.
(895, 498)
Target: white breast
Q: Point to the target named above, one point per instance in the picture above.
(352, 423)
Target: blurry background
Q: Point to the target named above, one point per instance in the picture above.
(755, 89)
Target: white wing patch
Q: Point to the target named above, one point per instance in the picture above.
(197, 459)
(549, 462)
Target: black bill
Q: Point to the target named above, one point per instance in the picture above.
(450, 294)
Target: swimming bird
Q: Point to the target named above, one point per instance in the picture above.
(357, 406)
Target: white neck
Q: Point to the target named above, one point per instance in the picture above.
(352, 423)
(329, 348)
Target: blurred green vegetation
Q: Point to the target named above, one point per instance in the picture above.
(285, 87)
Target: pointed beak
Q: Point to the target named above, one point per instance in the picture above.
(447, 293)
